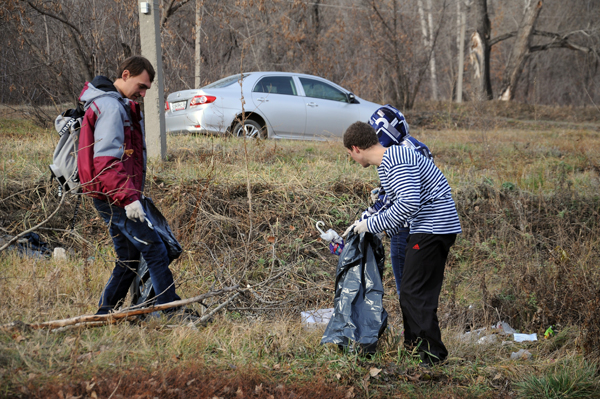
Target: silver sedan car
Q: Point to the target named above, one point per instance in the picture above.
(267, 104)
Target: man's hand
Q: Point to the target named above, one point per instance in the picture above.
(135, 210)
(349, 229)
(361, 227)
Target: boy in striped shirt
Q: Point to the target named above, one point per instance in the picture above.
(421, 197)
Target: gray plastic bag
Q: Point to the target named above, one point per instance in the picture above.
(359, 316)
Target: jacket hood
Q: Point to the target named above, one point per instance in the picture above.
(99, 86)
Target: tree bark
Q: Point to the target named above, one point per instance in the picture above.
(461, 18)
(480, 50)
(427, 32)
(197, 53)
(169, 7)
(520, 51)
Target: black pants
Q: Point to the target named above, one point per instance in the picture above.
(426, 256)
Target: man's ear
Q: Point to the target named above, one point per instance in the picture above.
(355, 149)
(125, 75)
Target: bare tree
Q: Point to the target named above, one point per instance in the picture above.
(480, 50)
(427, 31)
(461, 22)
(521, 49)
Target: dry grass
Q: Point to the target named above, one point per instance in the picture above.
(530, 212)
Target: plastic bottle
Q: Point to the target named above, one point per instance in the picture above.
(336, 243)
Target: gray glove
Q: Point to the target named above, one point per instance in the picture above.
(135, 210)
(361, 227)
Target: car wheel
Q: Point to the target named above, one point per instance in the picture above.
(250, 128)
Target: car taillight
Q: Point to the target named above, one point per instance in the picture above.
(199, 100)
(166, 105)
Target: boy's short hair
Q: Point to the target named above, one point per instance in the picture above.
(136, 65)
(360, 135)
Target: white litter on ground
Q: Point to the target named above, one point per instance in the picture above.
(317, 318)
(525, 337)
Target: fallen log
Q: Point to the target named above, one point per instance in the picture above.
(93, 320)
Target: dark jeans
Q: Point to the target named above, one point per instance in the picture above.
(426, 256)
(132, 238)
(398, 254)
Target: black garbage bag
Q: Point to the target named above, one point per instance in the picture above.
(31, 244)
(359, 316)
(161, 226)
(141, 289)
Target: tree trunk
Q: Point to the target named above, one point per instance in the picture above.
(520, 51)
(197, 54)
(427, 31)
(480, 50)
(461, 19)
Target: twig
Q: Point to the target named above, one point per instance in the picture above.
(21, 234)
(215, 310)
(113, 392)
(110, 318)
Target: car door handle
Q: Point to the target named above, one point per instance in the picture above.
(312, 104)
(262, 99)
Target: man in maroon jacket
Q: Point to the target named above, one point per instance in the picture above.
(112, 169)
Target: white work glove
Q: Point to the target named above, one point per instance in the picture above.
(135, 210)
(349, 229)
(361, 227)
(375, 195)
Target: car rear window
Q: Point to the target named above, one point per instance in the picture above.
(228, 81)
(276, 85)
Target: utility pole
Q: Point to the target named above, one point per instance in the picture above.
(154, 111)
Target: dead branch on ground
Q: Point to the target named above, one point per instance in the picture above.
(93, 320)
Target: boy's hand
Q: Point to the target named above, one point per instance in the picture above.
(349, 229)
(361, 227)
(375, 195)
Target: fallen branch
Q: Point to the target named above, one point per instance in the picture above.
(92, 320)
(215, 310)
(15, 238)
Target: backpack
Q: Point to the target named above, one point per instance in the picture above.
(64, 162)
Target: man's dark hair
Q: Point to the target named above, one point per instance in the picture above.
(361, 135)
(136, 65)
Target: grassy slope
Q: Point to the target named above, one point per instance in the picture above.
(529, 207)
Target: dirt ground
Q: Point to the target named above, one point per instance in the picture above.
(190, 381)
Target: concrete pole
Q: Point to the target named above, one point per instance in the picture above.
(154, 110)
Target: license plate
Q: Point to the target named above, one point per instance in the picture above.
(178, 106)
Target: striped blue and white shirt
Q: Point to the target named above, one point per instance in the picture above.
(419, 194)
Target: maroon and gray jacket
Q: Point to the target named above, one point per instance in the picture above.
(112, 146)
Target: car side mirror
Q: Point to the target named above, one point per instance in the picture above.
(351, 98)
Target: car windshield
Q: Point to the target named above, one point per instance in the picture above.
(228, 81)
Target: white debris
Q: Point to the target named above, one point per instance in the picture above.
(504, 328)
(317, 318)
(488, 339)
(522, 354)
(59, 254)
(525, 337)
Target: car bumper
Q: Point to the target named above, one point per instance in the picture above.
(200, 121)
